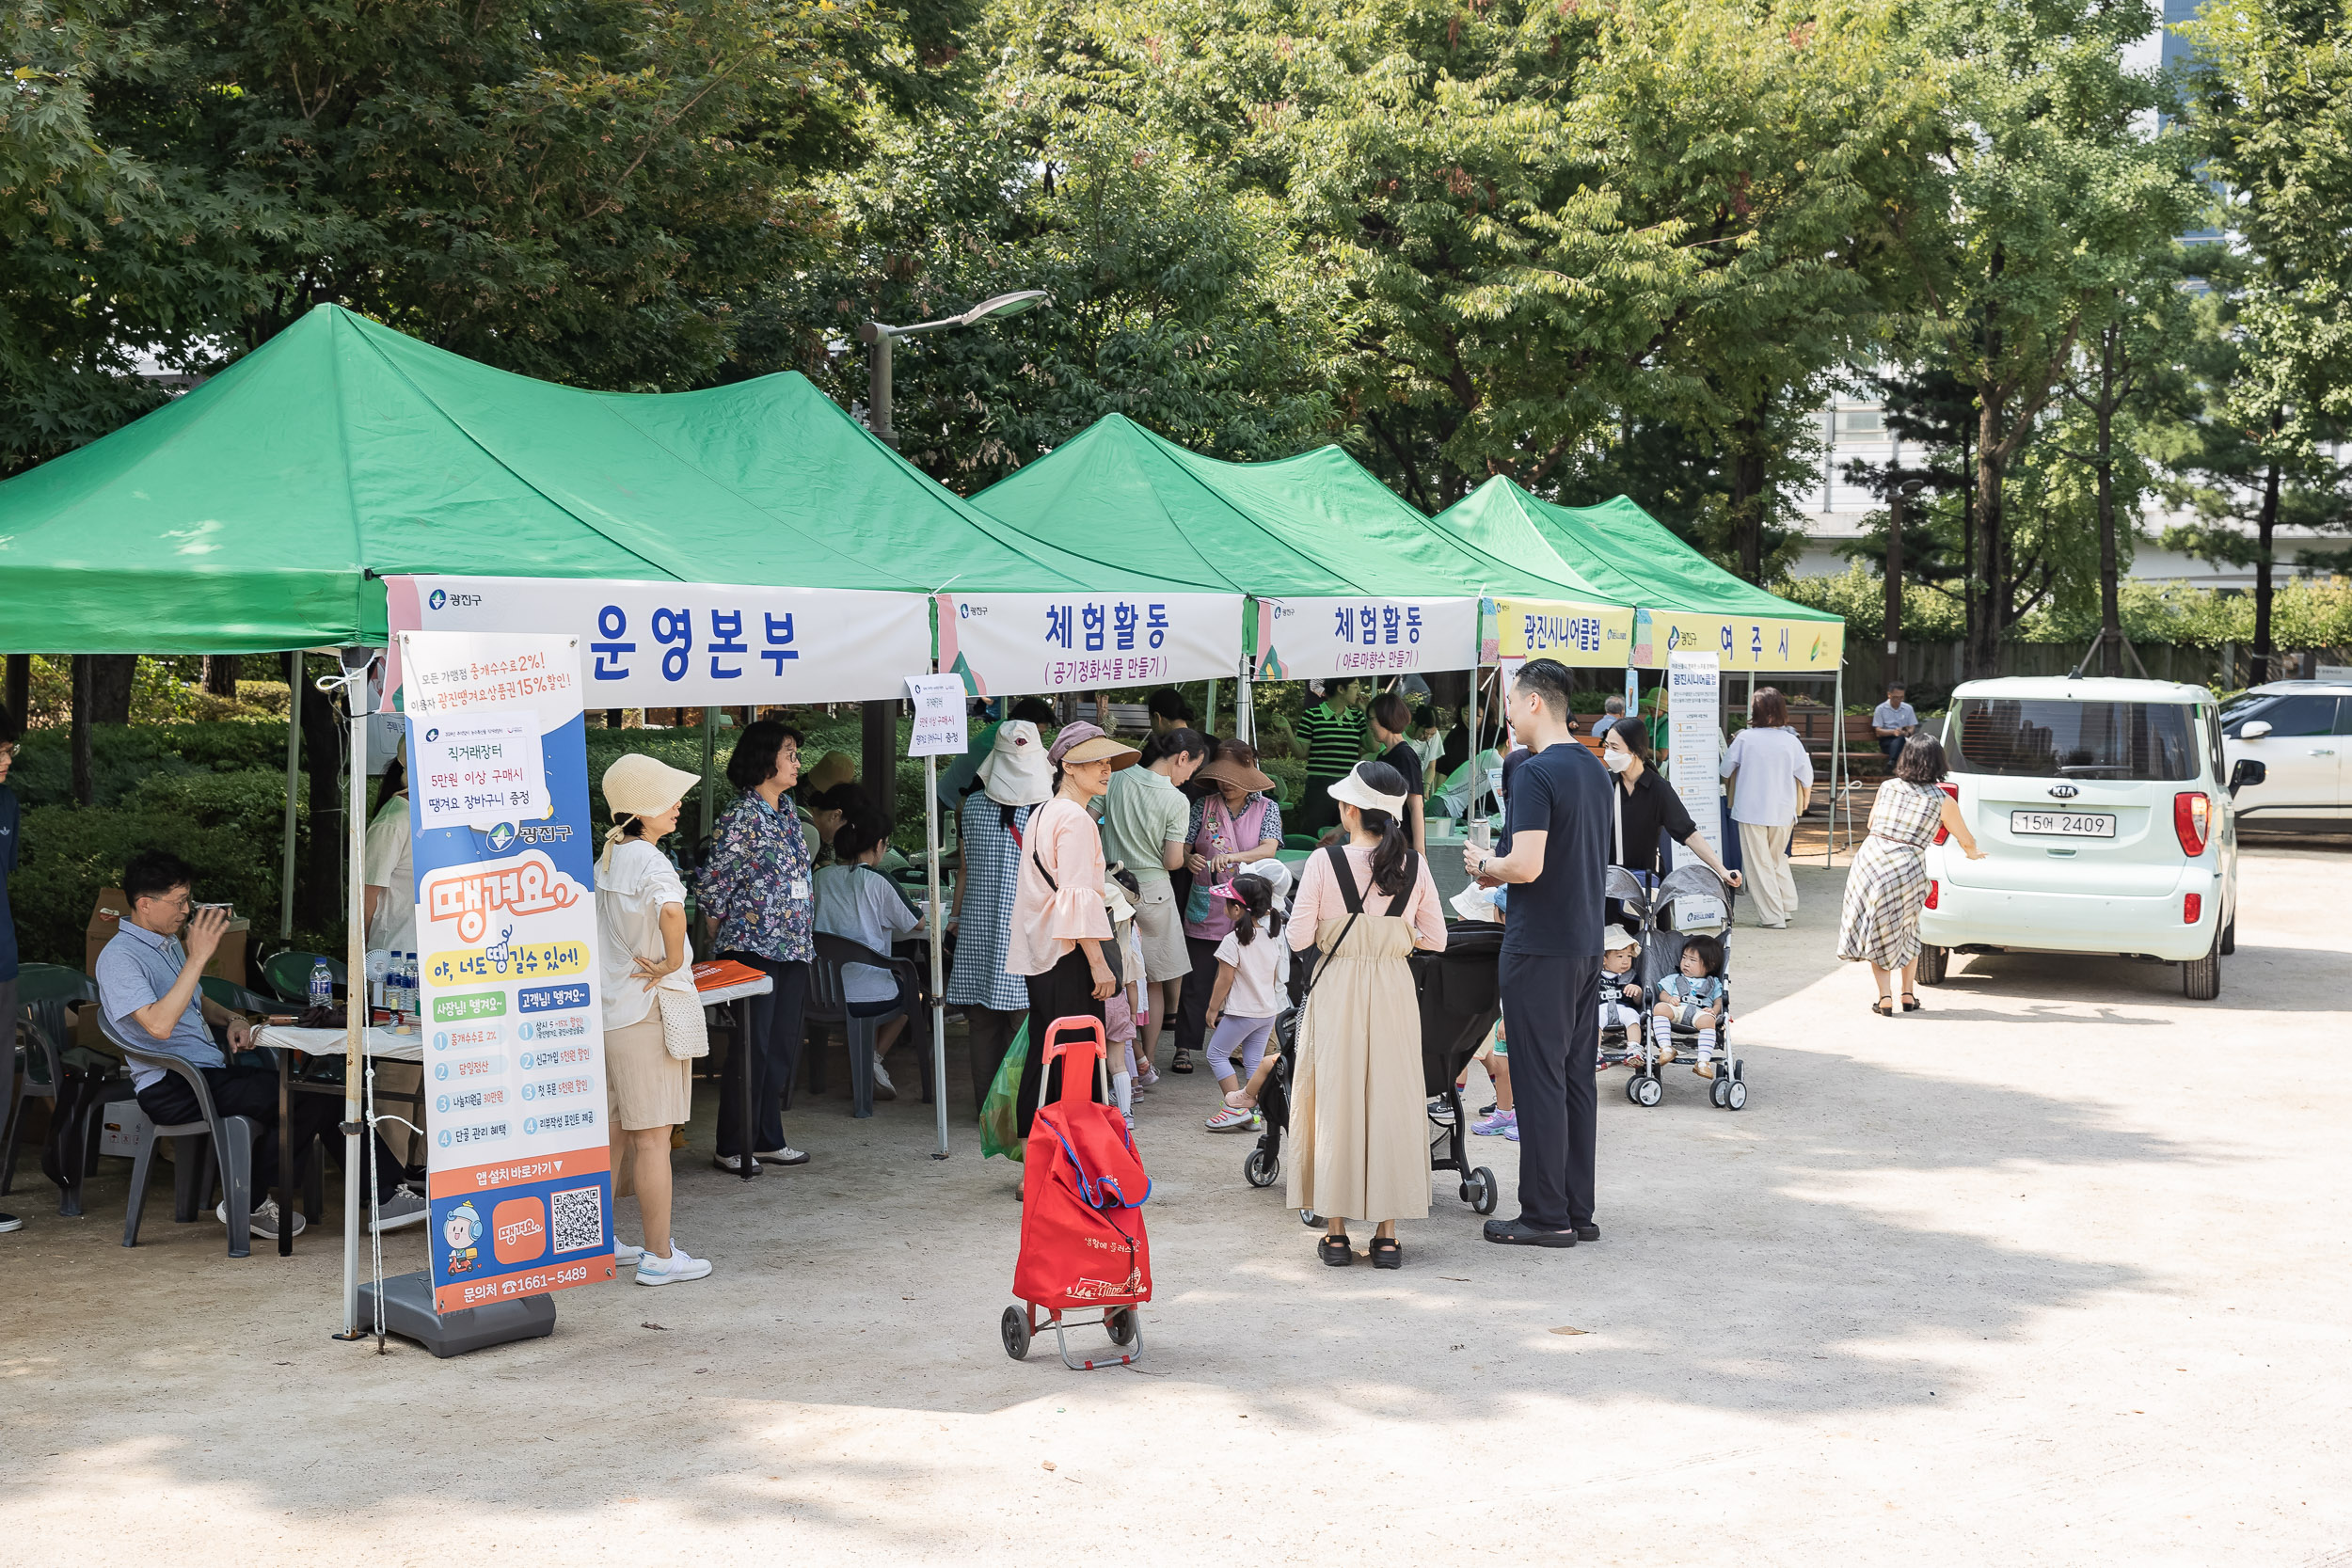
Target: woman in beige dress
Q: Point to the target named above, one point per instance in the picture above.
(1357, 1112)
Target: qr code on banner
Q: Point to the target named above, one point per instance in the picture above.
(578, 1216)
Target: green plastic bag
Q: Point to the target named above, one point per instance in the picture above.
(1000, 1112)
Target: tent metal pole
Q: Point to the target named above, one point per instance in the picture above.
(355, 981)
(710, 754)
(293, 775)
(933, 918)
(1836, 752)
(1244, 710)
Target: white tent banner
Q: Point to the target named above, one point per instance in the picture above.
(1320, 639)
(689, 644)
(1015, 644)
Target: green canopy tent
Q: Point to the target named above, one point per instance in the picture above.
(259, 511)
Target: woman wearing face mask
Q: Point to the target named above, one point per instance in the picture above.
(1647, 808)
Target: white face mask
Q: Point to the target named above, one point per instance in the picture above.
(1617, 761)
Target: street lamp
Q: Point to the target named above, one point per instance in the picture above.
(880, 334)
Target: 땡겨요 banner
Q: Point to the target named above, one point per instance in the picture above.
(691, 644)
(1321, 639)
(1019, 644)
(517, 1158)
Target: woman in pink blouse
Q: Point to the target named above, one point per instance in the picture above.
(1060, 927)
(1358, 1110)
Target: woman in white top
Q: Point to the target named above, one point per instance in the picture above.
(642, 958)
(388, 881)
(1771, 782)
(855, 900)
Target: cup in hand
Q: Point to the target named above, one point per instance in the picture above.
(1481, 832)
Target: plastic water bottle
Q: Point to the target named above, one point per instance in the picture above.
(404, 966)
(322, 984)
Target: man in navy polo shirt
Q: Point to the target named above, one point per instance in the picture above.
(1558, 822)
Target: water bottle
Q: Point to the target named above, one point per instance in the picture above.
(408, 970)
(322, 984)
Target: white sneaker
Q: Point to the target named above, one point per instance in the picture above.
(9, 1222)
(679, 1265)
(262, 1222)
(403, 1208)
(788, 1155)
(728, 1162)
(1231, 1121)
(626, 1256)
(884, 1087)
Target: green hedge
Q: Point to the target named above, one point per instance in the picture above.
(124, 757)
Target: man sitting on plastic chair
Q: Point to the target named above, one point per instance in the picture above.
(149, 993)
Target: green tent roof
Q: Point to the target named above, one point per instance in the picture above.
(1312, 526)
(1629, 555)
(244, 516)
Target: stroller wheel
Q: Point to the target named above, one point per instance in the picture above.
(1715, 1090)
(1120, 1322)
(1736, 1095)
(1259, 1171)
(1489, 1190)
(1015, 1326)
(1633, 1086)
(1647, 1091)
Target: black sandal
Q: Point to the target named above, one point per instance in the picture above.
(1911, 1002)
(1883, 1006)
(1182, 1062)
(1386, 1253)
(1334, 1250)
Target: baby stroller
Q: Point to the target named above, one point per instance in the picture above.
(1460, 997)
(1689, 900)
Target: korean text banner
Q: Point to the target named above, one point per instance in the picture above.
(1575, 634)
(518, 1169)
(1785, 647)
(691, 644)
(1016, 645)
(1319, 639)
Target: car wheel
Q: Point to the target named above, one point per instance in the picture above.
(1932, 962)
(2200, 978)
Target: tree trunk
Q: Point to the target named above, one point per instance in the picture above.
(1747, 498)
(319, 890)
(1986, 583)
(1896, 501)
(84, 788)
(20, 694)
(221, 671)
(2259, 667)
(110, 678)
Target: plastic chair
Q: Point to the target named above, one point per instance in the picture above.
(828, 1005)
(230, 1151)
(44, 992)
(288, 973)
(77, 1083)
(235, 997)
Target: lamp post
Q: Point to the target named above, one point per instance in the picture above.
(881, 334)
(1896, 499)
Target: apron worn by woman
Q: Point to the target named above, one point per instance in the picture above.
(1357, 1104)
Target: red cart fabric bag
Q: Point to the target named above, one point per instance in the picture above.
(1082, 1190)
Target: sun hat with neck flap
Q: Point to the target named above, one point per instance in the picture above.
(638, 787)
(1015, 771)
(1086, 743)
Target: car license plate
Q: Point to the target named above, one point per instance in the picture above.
(2063, 824)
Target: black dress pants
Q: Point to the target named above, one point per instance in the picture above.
(252, 1091)
(991, 1031)
(1065, 991)
(1555, 1041)
(773, 1036)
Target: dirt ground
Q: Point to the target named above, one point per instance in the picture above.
(2049, 1273)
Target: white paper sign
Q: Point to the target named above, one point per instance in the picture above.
(940, 728)
(1323, 638)
(478, 770)
(1693, 715)
(1016, 645)
(689, 644)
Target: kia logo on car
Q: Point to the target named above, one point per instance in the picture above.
(2064, 792)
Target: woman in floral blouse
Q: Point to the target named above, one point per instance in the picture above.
(755, 895)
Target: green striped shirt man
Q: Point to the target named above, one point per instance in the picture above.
(1334, 739)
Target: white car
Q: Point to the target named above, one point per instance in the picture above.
(2105, 813)
(2301, 733)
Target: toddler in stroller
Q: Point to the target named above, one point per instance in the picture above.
(1621, 993)
(1695, 999)
(1684, 929)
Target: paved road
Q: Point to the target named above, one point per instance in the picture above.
(2052, 1272)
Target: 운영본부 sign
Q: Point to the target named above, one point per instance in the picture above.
(1321, 639)
(691, 644)
(477, 770)
(1015, 645)
(518, 1172)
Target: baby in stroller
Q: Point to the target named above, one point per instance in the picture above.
(1620, 991)
(1696, 998)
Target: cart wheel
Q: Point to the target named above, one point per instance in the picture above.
(1489, 1190)
(1015, 1326)
(1259, 1171)
(1633, 1086)
(1736, 1096)
(1121, 1321)
(1715, 1090)
(1647, 1091)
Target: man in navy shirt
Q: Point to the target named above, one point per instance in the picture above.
(1558, 818)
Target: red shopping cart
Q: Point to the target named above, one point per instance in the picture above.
(1082, 1192)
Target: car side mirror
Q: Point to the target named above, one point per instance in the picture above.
(2248, 771)
(2253, 729)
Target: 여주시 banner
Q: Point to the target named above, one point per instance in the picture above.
(1323, 639)
(518, 1153)
(1783, 647)
(691, 644)
(1022, 644)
